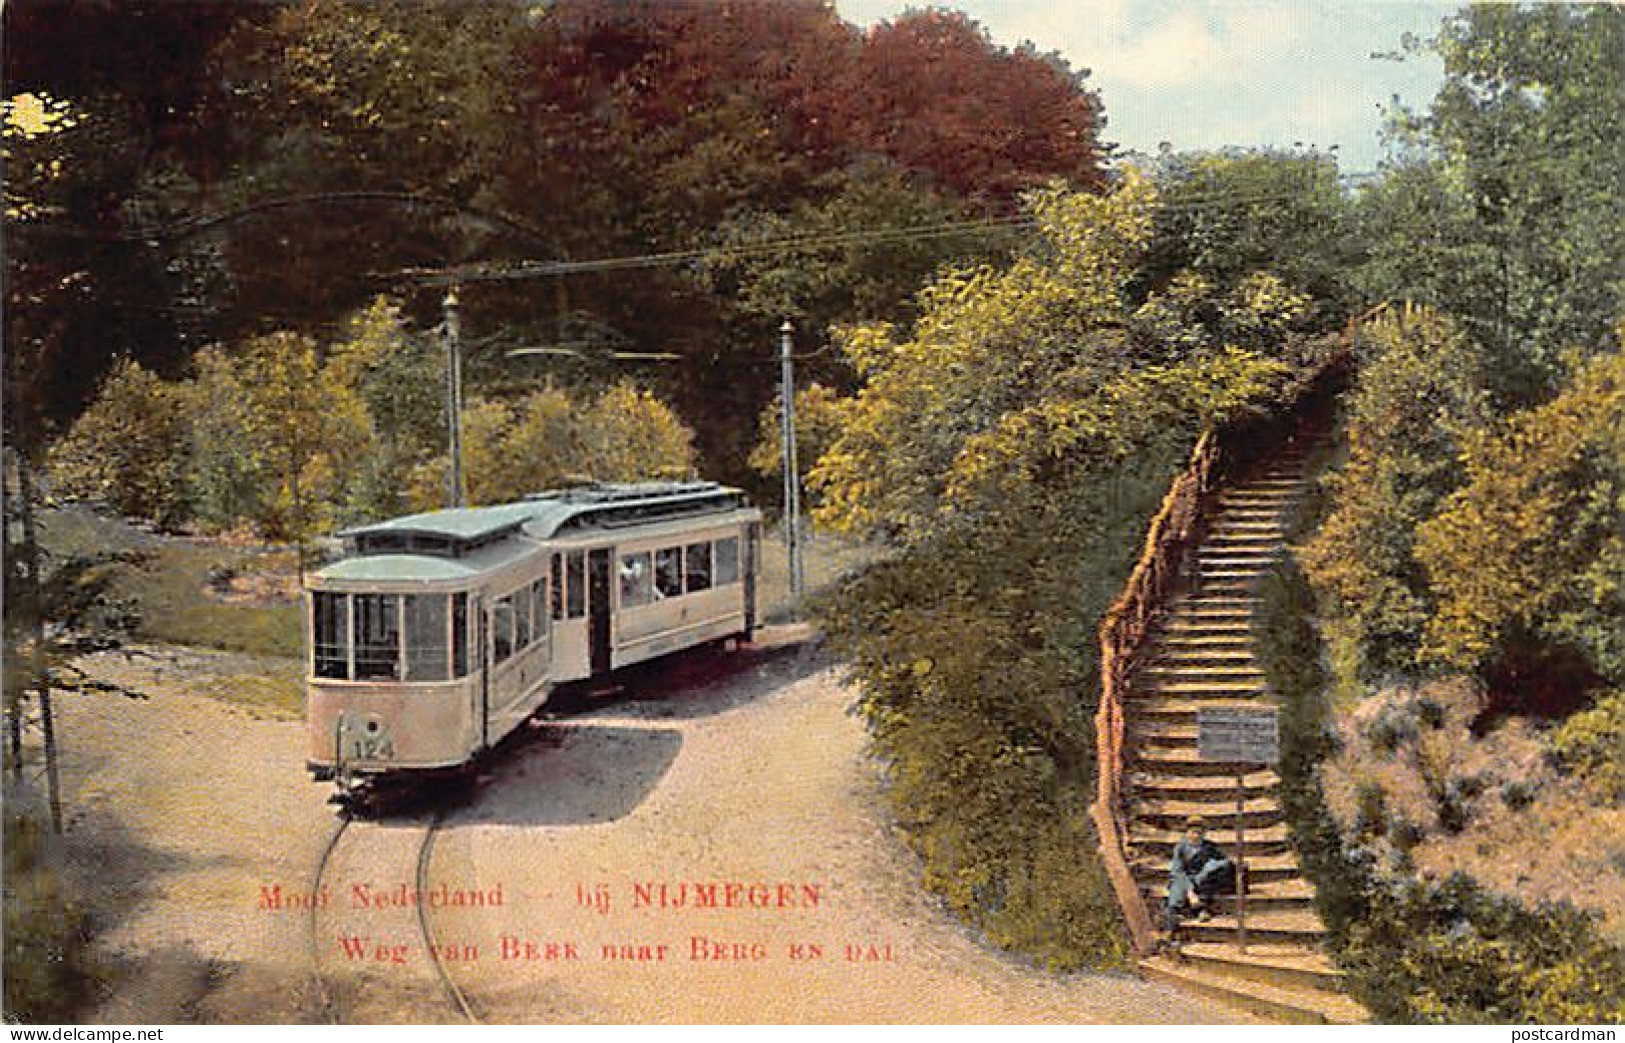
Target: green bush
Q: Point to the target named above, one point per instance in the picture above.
(1449, 953)
(1417, 951)
(979, 672)
(1591, 745)
(48, 973)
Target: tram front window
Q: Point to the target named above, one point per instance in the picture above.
(377, 637)
(426, 632)
(331, 634)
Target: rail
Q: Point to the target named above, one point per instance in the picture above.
(1176, 528)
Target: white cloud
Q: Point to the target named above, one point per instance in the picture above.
(1176, 52)
(1207, 73)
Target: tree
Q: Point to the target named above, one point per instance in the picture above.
(128, 450)
(314, 432)
(931, 91)
(1532, 546)
(1418, 397)
(398, 376)
(630, 435)
(551, 437)
(871, 215)
(1011, 444)
(227, 466)
(1015, 374)
(1228, 217)
(819, 417)
(1505, 212)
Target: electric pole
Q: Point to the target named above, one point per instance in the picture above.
(792, 478)
(454, 401)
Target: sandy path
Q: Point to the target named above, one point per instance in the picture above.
(185, 808)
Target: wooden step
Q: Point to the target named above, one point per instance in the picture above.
(1201, 613)
(1259, 494)
(1208, 602)
(1181, 763)
(1239, 651)
(1292, 478)
(1196, 671)
(1295, 926)
(1256, 783)
(1206, 688)
(1148, 841)
(1252, 510)
(1298, 1005)
(1251, 538)
(1237, 627)
(1208, 578)
(1236, 636)
(1262, 869)
(1288, 966)
(1258, 812)
(1162, 709)
(1237, 558)
(1263, 896)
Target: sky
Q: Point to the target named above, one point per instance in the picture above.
(1202, 74)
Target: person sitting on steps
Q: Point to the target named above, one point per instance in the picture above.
(1198, 873)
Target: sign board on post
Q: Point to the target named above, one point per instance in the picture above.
(1250, 735)
(1241, 735)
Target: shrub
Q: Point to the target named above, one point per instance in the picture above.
(1417, 950)
(1418, 394)
(1534, 542)
(1591, 745)
(49, 976)
(128, 449)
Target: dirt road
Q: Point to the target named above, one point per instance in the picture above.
(709, 848)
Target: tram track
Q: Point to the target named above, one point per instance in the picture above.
(450, 990)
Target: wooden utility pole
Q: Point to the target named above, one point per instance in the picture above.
(454, 400)
(792, 478)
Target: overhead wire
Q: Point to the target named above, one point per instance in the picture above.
(808, 242)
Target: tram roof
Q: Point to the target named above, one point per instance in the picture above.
(387, 568)
(545, 514)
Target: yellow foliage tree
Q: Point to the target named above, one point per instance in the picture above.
(1535, 539)
(1016, 373)
(548, 438)
(628, 434)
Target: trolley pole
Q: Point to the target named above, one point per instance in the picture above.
(792, 480)
(454, 401)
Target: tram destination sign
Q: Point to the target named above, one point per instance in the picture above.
(1249, 735)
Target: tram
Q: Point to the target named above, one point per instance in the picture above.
(437, 634)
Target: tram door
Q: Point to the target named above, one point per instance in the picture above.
(753, 536)
(483, 665)
(598, 609)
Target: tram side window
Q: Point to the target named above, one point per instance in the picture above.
(558, 586)
(538, 597)
(669, 572)
(727, 561)
(501, 629)
(697, 568)
(521, 618)
(332, 635)
(459, 635)
(426, 637)
(575, 593)
(637, 580)
(377, 637)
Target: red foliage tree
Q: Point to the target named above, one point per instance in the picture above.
(933, 92)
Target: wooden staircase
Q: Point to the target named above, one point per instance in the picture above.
(1201, 655)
